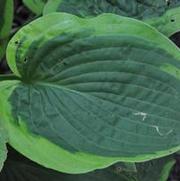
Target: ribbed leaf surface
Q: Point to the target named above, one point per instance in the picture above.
(109, 91)
(132, 8)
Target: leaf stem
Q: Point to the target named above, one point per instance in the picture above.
(8, 77)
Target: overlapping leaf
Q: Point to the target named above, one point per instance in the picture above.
(92, 95)
(162, 14)
(35, 6)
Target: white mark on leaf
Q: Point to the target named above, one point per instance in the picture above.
(160, 133)
(144, 115)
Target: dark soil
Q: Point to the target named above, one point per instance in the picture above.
(175, 174)
(21, 17)
(176, 38)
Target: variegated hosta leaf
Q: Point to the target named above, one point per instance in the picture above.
(162, 14)
(92, 92)
(6, 16)
(35, 6)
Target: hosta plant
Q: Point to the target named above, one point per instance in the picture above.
(83, 96)
(91, 96)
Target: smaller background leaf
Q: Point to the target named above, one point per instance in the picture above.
(162, 14)
(36, 6)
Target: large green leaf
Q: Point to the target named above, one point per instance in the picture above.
(162, 14)
(36, 6)
(6, 16)
(92, 95)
